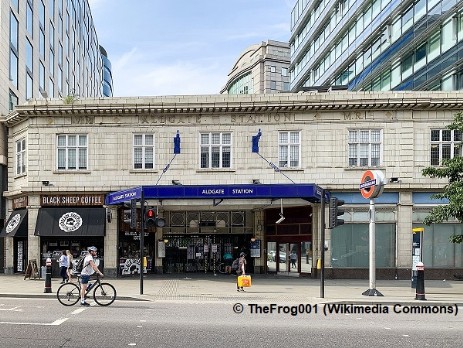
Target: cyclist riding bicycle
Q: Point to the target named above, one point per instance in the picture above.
(89, 267)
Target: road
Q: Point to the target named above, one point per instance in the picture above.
(46, 323)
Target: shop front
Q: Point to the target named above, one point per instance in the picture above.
(289, 243)
(72, 227)
(15, 235)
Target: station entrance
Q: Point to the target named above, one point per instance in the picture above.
(197, 240)
(203, 253)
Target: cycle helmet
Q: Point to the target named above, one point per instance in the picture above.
(92, 248)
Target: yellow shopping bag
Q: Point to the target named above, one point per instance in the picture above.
(244, 281)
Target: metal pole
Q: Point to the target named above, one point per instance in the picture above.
(372, 237)
(322, 245)
(142, 238)
(372, 251)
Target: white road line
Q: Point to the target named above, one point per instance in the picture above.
(14, 309)
(77, 311)
(55, 323)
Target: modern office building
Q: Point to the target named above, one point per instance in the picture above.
(107, 82)
(220, 169)
(261, 68)
(49, 49)
(376, 45)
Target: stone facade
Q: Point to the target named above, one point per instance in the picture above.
(322, 119)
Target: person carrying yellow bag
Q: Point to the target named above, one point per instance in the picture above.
(241, 272)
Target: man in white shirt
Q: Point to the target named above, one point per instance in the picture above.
(89, 267)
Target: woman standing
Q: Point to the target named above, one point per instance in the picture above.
(63, 264)
(70, 264)
(241, 270)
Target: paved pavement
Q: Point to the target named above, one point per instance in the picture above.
(265, 289)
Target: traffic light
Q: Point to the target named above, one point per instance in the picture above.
(150, 217)
(130, 215)
(335, 211)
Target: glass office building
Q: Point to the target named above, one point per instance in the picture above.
(377, 44)
(48, 49)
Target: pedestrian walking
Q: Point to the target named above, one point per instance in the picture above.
(70, 265)
(63, 264)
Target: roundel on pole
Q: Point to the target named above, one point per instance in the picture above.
(372, 184)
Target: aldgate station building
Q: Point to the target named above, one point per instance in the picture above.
(193, 159)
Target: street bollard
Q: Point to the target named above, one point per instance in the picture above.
(48, 276)
(420, 281)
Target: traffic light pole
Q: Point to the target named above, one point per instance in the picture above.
(142, 239)
(322, 245)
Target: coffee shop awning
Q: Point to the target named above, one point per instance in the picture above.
(16, 225)
(71, 221)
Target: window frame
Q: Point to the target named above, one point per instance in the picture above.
(20, 156)
(210, 145)
(143, 147)
(454, 144)
(66, 147)
(358, 142)
(288, 145)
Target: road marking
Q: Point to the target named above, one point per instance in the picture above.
(77, 311)
(55, 323)
(13, 309)
(59, 321)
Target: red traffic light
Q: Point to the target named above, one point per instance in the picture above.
(150, 213)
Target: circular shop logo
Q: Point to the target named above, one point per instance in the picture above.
(70, 222)
(13, 223)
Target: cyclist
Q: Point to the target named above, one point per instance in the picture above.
(89, 267)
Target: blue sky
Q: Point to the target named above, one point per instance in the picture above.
(166, 47)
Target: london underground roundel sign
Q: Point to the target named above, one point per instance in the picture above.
(372, 184)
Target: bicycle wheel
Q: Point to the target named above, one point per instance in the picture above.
(104, 294)
(68, 294)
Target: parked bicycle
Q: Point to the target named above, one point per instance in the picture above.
(103, 293)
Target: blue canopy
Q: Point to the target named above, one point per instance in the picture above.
(308, 192)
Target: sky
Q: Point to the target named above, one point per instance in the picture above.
(183, 47)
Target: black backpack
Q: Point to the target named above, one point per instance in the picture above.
(79, 265)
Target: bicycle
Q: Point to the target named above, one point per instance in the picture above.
(104, 294)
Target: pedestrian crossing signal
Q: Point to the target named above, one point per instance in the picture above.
(150, 217)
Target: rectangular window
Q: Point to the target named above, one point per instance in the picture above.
(289, 149)
(215, 149)
(273, 68)
(14, 68)
(29, 19)
(29, 56)
(71, 152)
(51, 62)
(42, 44)
(13, 101)
(284, 71)
(13, 32)
(41, 14)
(42, 76)
(15, 5)
(51, 88)
(365, 147)
(273, 85)
(445, 144)
(21, 156)
(29, 84)
(143, 151)
(51, 8)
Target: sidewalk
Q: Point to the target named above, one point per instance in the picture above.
(265, 289)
